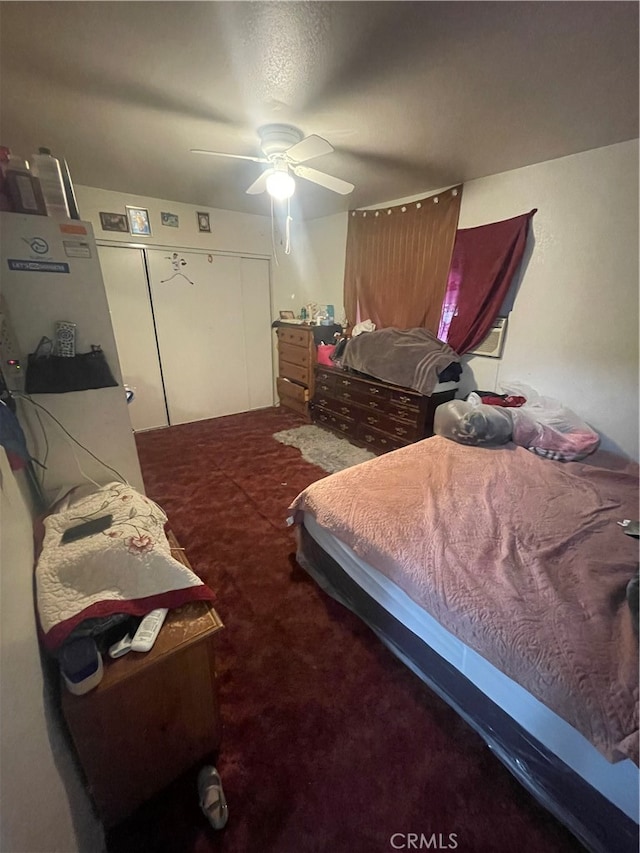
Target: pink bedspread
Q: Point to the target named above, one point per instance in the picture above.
(519, 557)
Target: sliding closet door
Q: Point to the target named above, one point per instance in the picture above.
(125, 280)
(256, 311)
(213, 325)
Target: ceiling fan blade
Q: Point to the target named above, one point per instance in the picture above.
(309, 147)
(260, 184)
(337, 185)
(223, 154)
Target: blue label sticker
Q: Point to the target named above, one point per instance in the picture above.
(37, 266)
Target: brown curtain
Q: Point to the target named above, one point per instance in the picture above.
(397, 261)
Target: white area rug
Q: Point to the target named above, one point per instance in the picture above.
(323, 448)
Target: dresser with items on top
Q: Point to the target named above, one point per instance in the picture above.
(296, 360)
(372, 413)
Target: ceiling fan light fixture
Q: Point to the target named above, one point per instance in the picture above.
(281, 185)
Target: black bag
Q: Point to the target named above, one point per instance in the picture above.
(56, 374)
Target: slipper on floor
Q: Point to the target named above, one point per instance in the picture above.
(212, 799)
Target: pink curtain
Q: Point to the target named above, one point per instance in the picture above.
(483, 264)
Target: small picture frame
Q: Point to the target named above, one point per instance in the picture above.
(139, 221)
(114, 222)
(287, 315)
(172, 220)
(204, 224)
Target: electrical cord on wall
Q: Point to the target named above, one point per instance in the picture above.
(27, 397)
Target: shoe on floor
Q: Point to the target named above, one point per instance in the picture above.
(212, 799)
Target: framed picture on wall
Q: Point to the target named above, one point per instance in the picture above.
(139, 221)
(114, 222)
(170, 219)
(204, 223)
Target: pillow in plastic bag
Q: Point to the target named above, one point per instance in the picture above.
(469, 423)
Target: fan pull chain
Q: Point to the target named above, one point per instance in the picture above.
(274, 248)
(287, 230)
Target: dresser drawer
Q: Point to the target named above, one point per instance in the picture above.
(403, 413)
(295, 372)
(405, 398)
(339, 407)
(403, 431)
(292, 391)
(294, 354)
(336, 422)
(377, 440)
(325, 381)
(297, 337)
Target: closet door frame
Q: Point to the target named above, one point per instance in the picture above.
(145, 247)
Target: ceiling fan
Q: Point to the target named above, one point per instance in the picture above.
(285, 150)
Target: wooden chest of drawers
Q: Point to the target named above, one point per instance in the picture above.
(370, 412)
(296, 361)
(153, 716)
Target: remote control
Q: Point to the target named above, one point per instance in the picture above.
(117, 650)
(148, 630)
(65, 338)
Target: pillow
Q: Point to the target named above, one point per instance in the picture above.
(126, 568)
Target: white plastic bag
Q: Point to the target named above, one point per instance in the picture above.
(547, 427)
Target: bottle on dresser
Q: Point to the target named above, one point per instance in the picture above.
(48, 170)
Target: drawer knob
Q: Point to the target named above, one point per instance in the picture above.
(344, 410)
(347, 396)
(345, 382)
(400, 431)
(373, 404)
(405, 399)
(372, 420)
(344, 427)
(322, 402)
(374, 390)
(369, 438)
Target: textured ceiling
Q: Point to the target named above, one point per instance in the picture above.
(413, 96)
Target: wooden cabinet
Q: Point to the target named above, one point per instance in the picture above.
(153, 715)
(296, 362)
(372, 413)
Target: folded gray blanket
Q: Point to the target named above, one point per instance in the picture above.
(408, 357)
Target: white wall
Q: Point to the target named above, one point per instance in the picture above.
(230, 232)
(45, 808)
(314, 271)
(573, 331)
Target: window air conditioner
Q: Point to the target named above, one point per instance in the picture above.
(492, 345)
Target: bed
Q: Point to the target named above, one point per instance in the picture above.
(499, 577)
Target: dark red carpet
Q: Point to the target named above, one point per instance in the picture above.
(329, 743)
